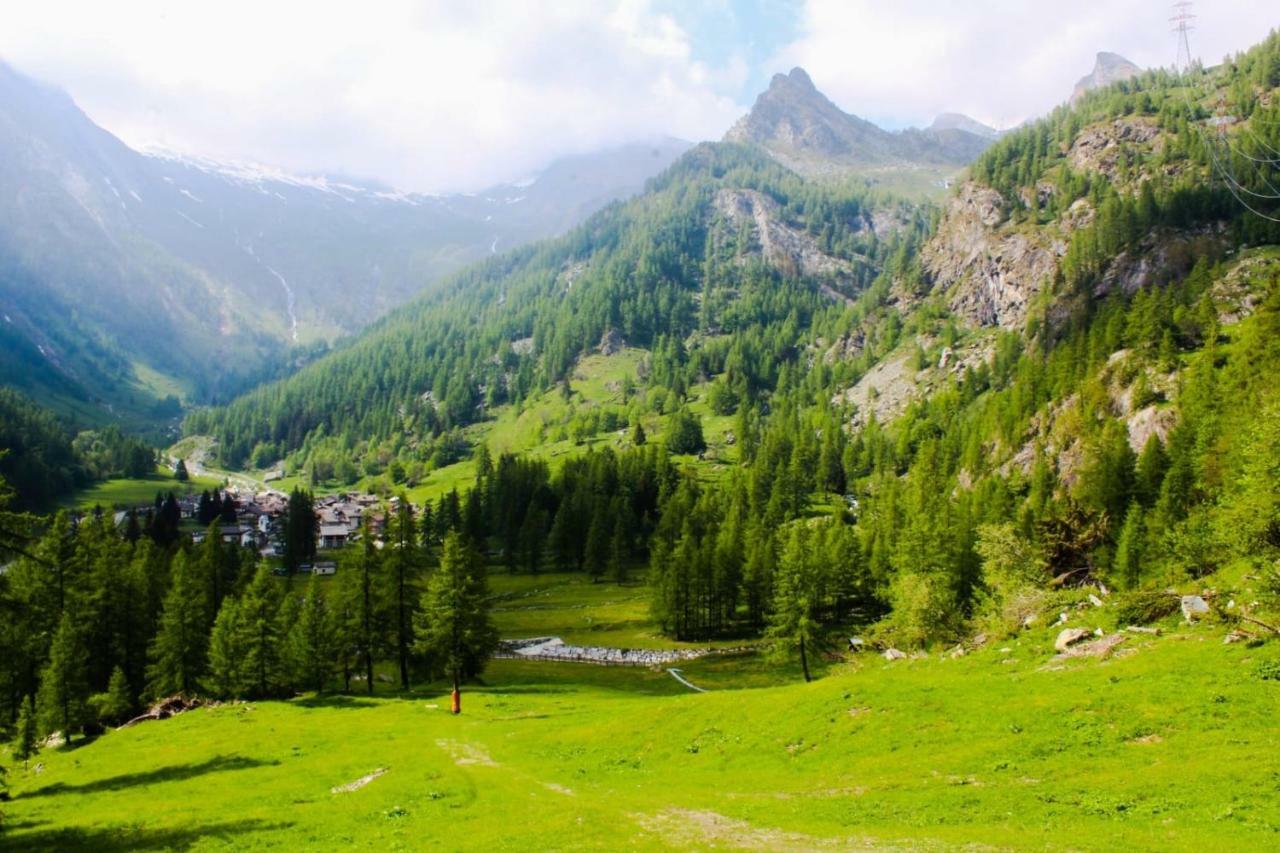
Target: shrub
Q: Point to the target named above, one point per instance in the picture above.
(1269, 670)
(1144, 606)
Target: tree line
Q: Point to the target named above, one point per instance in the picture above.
(95, 625)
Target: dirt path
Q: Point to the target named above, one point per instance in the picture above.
(675, 673)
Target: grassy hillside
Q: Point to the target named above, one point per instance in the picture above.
(1167, 746)
(127, 492)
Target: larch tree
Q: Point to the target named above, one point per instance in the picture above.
(113, 706)
(64, 682)
(453, 628)
(795, 622)
(366, 611)
(25, 735)
(313, 639)
(227, 642)
(259, 607)
(178, 651)
(404, 565)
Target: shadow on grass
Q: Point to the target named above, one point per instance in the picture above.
(110, 839)
(175, 773)
(341, 701)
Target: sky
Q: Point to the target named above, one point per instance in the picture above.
(436, 96)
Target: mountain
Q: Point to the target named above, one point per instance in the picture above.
(1108, 68)
(958, 121)
(710, 249)
(802, 129)
(944, 421)
(127, 277)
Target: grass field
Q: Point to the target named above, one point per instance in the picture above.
(570, 606)
(125, 492)
(1170, 747)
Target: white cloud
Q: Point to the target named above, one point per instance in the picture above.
(1000, 61)
(424, 95)
(440, 95)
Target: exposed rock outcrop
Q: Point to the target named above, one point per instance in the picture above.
(990, 274)
(1100, 147)
(779, 244)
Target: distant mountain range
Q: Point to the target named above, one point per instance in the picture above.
(128, 277)
(125, 276)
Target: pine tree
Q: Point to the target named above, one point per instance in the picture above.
(561, 538)
(259, 607)
(638, 437)
(313, 639)
(205, 513)
(26, 736)
(618, 554)
(64, 682)
(597, 546)
(533, 535)
(366, 611)
(344, 605)
(404, 565)
(453, 628)
(227, 648)
(1151, 466)
(1128, 559)
(178, 651)
(114, 706)
(180, 471)
(794, 623)
(299, 530)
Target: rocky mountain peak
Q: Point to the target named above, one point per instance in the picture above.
(802, 129)
(1108, 68)
(797, 80)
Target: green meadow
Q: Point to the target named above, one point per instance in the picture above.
(1169, 745)
(124, 492)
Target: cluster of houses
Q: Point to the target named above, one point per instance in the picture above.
(259, 522)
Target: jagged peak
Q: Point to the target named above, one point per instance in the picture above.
(798, 78)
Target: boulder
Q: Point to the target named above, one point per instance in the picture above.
(1193, 607)
(1237, 636)
(894, 654)
(1068, 637)
(1099, 648)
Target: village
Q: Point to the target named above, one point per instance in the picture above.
(255, 520)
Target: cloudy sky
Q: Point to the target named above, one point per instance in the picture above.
(441, 96)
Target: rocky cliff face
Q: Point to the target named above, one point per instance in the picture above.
(779, 244)
(989, 273)
(1107, 69)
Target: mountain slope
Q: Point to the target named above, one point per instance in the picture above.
(128, 276)
(725, 242)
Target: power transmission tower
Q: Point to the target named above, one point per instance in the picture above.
(1182, 21)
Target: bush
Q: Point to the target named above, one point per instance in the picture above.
(1144, 606)
(1269, 670)
(924, 609)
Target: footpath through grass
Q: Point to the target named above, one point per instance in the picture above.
(1169, 747)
